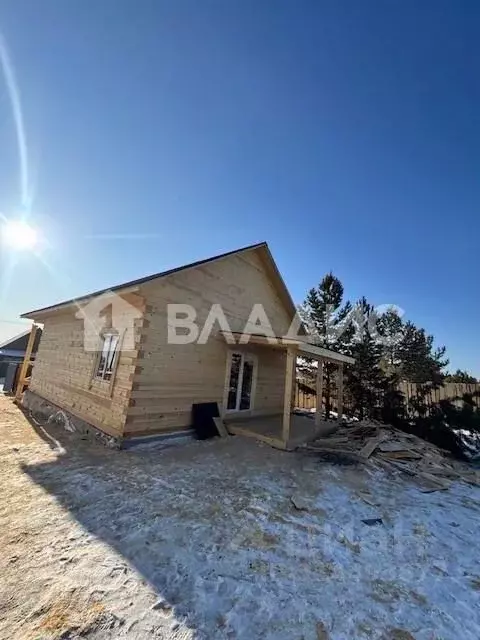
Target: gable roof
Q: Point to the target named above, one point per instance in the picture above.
(268, 260)
(19, 342)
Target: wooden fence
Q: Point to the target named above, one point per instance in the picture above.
(449, 391)
(304, 400)
(452, 391)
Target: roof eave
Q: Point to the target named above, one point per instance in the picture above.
(38, 314)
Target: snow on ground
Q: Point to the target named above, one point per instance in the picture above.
(203, 541)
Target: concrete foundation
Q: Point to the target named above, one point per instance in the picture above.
(45, 411)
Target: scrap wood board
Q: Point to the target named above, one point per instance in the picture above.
(395, 451)
(221, 428)
(371, 445)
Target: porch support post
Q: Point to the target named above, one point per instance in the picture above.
(287, 399)
(340, 390)
(318, 410)
(25, 363)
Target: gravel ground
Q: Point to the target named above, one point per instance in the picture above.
(204, 541)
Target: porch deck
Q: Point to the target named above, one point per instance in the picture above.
(269, 429)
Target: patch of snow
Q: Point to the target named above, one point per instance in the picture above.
(203, 541)
(470, 442)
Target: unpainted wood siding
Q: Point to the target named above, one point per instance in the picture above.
(171, 377)
(63, 371)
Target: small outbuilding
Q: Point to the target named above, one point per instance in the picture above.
(13, 350)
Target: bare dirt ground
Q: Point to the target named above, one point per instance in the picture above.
(204, 541)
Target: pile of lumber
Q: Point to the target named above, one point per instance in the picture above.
(383, 446)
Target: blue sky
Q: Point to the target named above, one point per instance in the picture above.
(346, 134)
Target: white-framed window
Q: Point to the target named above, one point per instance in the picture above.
(240, 382)
(108, 353)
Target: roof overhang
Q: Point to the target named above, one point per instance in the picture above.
(297, 344)
(77, 303)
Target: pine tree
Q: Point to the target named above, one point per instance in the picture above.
(409, 352)
(390, 331)
(420, 362)
(461, 377)
(324, 315)
(409, 355)
(387, 350)
(365, 380)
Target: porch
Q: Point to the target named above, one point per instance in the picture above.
(269, 429)
(287, 430)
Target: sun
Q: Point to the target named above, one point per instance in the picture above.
(18, 234)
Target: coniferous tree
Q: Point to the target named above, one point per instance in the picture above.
(420, 362)
(387, 349)
(324, 315)
(461, 377)
(365, 380)
(390, 328)
(410, 356)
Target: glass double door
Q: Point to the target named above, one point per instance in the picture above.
(240, 381)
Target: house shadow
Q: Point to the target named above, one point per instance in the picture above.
(116, 496)
(175, 516)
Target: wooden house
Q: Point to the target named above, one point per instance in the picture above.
(124, 389)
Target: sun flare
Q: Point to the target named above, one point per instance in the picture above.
(18, 234)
